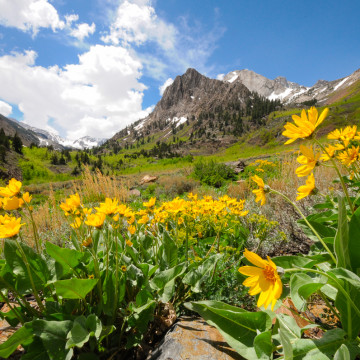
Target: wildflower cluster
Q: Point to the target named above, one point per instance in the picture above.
(12, 199)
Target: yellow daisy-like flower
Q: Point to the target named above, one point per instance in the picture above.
(143, 220)
(76, 224)
(349, 156)
(259, 170)
(123, 268)
(344, 135)
(260, 193)
(27, 197)
(304, 125)
(330, 151)
(96, 220)
(71, 204)
(9, 226)
(12, 189)
(87, 242)
(132, 229)
(12, 203)
(109, 207)
(129, 243)
(150, 203)
(307, 189)
(263, 279)
(308, 159)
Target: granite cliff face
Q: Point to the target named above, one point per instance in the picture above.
(193, 93)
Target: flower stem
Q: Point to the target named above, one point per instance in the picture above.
(308, 223)
(340, 177)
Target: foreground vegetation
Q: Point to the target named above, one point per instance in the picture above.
(117, 270)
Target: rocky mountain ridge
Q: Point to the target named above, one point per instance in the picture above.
(289, 92)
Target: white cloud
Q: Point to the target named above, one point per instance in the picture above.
(82, 31)
(29, 15)
(97, 96)
(71, 18)
(136, 22)
(5, 108)
(167, 83)
(220, 76)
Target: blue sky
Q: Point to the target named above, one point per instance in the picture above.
(91, 67)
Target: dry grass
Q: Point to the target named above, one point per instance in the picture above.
(95, 187)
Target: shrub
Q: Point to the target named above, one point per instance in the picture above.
(213, 173)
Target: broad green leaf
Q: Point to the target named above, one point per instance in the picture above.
(161, 278)
(263, 345)
(108, 298)
(38, 268)
(78, 335)
(289, 326)
(198, 275)
(319, 349)
(354, 243)
(35, 351)
(69, 259)
(296, 281)
(11, 344)
(341, 241)
(308, 289)
(74, 288)
(350, 282)
(239, 327)
(53, 336)
(94, 325)
(323, 230)
(170, 253)
(342, 353)
(139, 320)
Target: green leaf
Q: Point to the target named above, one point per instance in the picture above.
(322, 230)
(74, 288)
(160, 279)
(239, 327)
(350, 282)
(10, 345)
(53, 336)
(354, 243)
(296, 281)
(319, 349)
(170, 253)
(38, 268)
(69, 259)
(263, 345)
(78, 335)
(342, 353)
(94, 325)
(341, 241)
(197, 276)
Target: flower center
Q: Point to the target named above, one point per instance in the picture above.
(269, 273)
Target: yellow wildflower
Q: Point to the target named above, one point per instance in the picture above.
(71, 204)
(347, 157)
(27, 197)
(344, 135)
(108, 207)
(12, 203)
(150, 203)
(76, 224)
(304, 125)
(308, 160)
(91, 276)
(123, 268)
(132, 229)
(87, 242)
(9, 226)
(143, 220)
(12, 189)
(263, 278)
(129, 243)
(260, 193)
(330, 151)
(87, 211)
(96, 220)
(259, 170)
(307, 189)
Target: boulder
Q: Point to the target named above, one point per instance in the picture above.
(148, 179)
(193, 339)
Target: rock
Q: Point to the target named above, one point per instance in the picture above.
(148, 179)
(237, 166)
(134, 192)
(193, 339)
